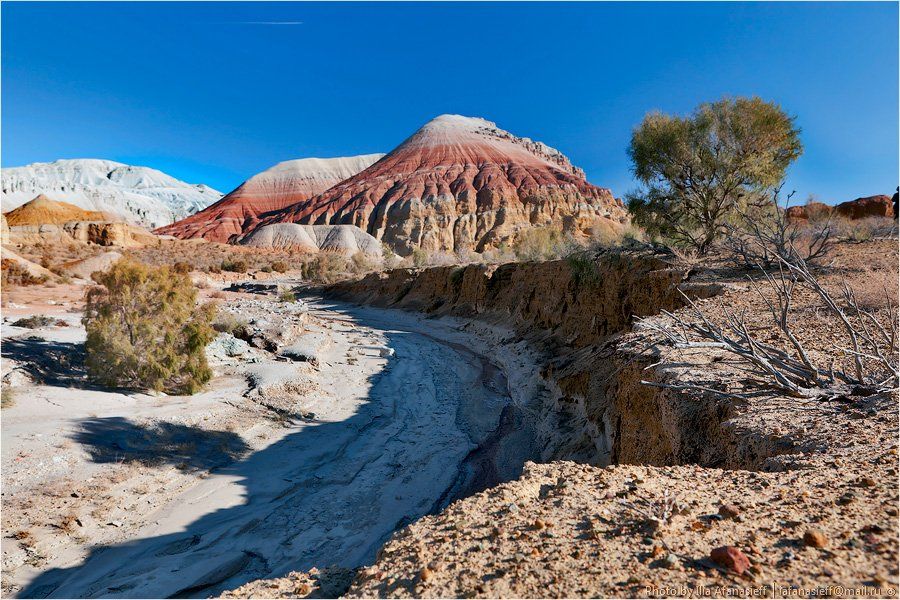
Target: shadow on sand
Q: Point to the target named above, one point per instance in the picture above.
(116, 439)
(303, 504)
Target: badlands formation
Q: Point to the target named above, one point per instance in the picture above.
(284, 184)
(43, 220)
(139, 195)
(461, 183)
(341, 239)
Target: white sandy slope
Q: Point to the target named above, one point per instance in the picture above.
(341, 239)
(140, 195)
(310, 175)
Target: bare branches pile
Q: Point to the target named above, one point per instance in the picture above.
(866, 366)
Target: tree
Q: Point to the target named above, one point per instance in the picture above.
(145, 330)
(698, 171)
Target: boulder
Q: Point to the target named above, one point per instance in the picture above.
(870, 206)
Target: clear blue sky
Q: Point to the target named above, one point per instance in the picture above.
(215, 92)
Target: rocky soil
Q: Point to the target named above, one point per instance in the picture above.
(663, 492)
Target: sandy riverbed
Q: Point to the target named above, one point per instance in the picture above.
(110, 493)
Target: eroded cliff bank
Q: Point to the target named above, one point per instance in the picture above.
(803, 494)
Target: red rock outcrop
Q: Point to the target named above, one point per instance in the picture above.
(461, 183)
(284, 184)
(810, 210)
(870, 206)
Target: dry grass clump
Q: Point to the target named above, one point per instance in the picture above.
(15, 274)
(7, 397)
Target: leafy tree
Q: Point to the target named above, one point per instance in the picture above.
(145, 330)
(698, 171)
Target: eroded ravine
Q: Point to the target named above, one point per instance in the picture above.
(426, 430)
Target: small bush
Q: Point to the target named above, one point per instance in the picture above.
(419, 257)
(228, 323)
(543, 243)
(7, 397)
(15, 274)
(362, 263)
(145, 331)
(279, 266)
(266, 269)
(584, 269)
(35, 322)
(326, 267)
(234, 266)
(287, 296)
(181, 267)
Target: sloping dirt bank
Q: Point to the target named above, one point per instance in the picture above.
(805, 493)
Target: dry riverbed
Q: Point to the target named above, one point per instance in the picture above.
(325, 429)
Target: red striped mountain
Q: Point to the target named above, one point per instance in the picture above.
(284, 184)
(461, 183)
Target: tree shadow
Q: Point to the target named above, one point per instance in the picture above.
(59, 364)
(118, 440)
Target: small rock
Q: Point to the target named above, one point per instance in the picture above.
(670, 561)
(513, 508)
(867, 482)
(538, 524)
(846, 499)
(731, 558)
(729, 511)
(425, 574)
(815, 539)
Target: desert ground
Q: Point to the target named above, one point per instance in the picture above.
(360, 422)
(447, 441)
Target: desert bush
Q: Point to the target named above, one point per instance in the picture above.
(362, 263)
(35, 322)
(761, 236)
(326, 267)
(228, 323)
(181, 267)
(499, 255)
(145, 331)
(698, 171)
(287, 296)
(7, 397)
(543, 243)
(15, 274)
(419, 257)
(234, 266)
(864, 230)
(279, 266)
(583, 266)
(440, 259)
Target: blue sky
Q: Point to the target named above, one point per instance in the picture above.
(213, 93)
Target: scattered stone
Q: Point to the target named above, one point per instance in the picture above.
(671, 561)
(539, 524)
(729, 511)
(867, 482)
(815, 539)
(730, 558)
(425, 574)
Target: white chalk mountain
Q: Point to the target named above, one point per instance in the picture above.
(140, 195)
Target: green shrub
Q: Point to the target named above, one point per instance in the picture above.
(584, 269)
(145, 330)
(266, 269)
(419, 257)
(228, 323)
(287, 296)
(279, 266)
(181, 267)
